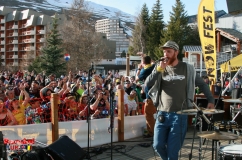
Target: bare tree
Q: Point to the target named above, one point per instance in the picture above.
(80, 39)
(26, 60)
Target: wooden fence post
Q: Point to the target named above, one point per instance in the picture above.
(127, 64)
(54, 116)
(120, 115)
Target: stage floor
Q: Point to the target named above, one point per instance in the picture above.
(136, 149)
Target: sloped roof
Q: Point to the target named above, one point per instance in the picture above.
(218, 14)
(232, 32)
(195, 49)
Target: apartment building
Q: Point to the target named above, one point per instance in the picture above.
(22, 35)
(114, 32)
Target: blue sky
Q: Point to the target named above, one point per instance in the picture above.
(133, 6)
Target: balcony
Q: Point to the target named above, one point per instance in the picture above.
(42, 39)
(15, 63)
(2, 56)
(2, 42)
(28, 33)
(2, 28)
(32, 48)
(13, 41)
(15, 56)
(31, 40)
(13, 49)
(3, 63)
(2, 35)
(15, 34)
(41, 31)
(2, 20)
(29, 48)
(2, 49)
(15, 27)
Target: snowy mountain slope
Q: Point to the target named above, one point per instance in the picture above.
(58, 5)
(50, 7)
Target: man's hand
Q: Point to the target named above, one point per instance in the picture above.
(163, 63)
(140, 66)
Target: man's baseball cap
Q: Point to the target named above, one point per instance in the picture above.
(170, 44)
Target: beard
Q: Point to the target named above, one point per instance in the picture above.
(172, 59)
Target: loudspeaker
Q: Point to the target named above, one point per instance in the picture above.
(65, 149)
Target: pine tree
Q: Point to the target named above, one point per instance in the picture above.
(123, 54)
(146, 20)
(140, 31)
(52, 58)
(145, 14)
(35, 65)
(177, 28)
(156, 26)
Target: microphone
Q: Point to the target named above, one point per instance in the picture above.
(161, 59)
(200, 112)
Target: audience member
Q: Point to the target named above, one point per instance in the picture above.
(33, 112)
(6, 116)
(18, 106)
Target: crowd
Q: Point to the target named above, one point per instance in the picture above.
(25, 96)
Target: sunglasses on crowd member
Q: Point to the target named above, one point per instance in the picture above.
(10, 88)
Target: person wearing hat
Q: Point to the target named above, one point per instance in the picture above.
(173, 87)
(144, 70)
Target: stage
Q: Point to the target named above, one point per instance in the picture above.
(136, 149)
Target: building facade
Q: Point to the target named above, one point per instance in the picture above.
(22, 35)
(115, 32)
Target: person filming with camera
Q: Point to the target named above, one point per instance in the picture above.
(99, 105)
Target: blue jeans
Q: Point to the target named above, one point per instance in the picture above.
(169, 135)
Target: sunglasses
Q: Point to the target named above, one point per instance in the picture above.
(10, 88)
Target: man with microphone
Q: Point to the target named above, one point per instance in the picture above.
(173, 86)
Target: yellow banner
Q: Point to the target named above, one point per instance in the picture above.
(206, 26)
(235, 64)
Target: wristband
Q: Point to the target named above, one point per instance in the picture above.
(160, 69)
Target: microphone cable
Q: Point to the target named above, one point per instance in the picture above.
(182, 127)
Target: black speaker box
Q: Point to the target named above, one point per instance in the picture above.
(65, 149)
